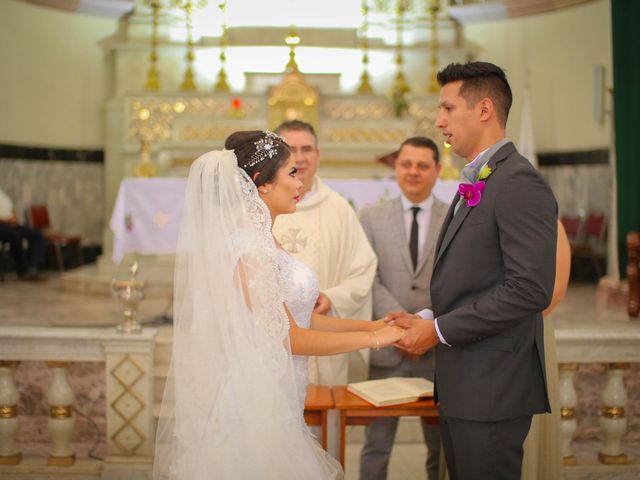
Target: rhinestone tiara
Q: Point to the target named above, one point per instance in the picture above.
(265, 148)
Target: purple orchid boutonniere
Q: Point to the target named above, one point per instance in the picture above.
(472, 192)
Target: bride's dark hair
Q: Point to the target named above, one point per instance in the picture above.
(244, 146)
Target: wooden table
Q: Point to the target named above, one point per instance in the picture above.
(319, 400)
(356, 411)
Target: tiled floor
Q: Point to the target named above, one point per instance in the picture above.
(46, 303)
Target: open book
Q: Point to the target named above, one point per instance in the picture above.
(392, 391)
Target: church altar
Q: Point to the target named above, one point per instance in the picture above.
(146, 216)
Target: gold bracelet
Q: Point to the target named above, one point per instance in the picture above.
(375, 335)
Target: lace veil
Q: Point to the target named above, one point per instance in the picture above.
(230, 409)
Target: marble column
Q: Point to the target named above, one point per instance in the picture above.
(9, 398)
(61, 424)
(613, 421)
(568, 400)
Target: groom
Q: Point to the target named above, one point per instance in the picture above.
(493, 276)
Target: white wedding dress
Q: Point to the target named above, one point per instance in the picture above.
(234, 400)
(300, 290)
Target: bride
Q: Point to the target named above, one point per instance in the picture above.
(233, 405)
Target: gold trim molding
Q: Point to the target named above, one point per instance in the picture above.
(60, 412)
(568, 367)
(58, 364)
(618, 366)
(14, 459)
(61, 461)
(621, 459)
(613, 412)
(8, 411)
(567, 413)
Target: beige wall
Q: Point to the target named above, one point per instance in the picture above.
(559, 50)
(53, 78)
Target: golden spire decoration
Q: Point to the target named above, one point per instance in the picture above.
(433, 86)
(153, 78)
(222, 85)
(365, 86)
(188, 83)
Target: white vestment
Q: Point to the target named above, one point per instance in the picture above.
(325, 234)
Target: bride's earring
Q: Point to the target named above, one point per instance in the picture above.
(265, 191)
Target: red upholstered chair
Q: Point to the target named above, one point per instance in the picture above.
(39, 218)
(572, 223)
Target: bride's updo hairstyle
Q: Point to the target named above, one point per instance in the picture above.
(260, 154)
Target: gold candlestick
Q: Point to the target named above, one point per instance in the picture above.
(222, 85)
(153, 78)
(433, 86)
(400, 86)
(365, 86)
(188, 83)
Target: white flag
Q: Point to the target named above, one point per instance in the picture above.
(526, 144)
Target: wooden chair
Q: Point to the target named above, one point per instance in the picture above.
(633, 249)
(39, 218)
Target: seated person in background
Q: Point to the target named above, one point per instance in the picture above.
(28, 260)
(403, 233)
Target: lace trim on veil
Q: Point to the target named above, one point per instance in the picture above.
(265, 282)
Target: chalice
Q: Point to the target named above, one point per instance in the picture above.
(129, 292)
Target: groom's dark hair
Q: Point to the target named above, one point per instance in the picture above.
(480, 80)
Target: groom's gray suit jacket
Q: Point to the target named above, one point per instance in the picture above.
(493, 276)
(396, 285)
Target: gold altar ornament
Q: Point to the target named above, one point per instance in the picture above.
(293, 98)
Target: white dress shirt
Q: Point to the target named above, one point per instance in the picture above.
(423, 218)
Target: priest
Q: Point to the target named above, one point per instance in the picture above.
(326, 235)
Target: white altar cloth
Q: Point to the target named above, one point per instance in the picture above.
(146, 216)
(147, 213)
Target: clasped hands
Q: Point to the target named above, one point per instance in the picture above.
(419, 334)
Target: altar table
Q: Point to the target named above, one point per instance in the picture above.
(148, 211)
(356, 411)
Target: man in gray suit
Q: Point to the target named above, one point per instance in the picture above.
(493, 276)
(403, 233)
